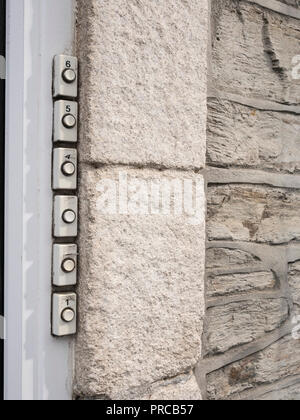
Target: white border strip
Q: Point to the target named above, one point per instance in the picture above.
(37, 366)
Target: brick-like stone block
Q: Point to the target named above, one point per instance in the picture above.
(229, 284)
(294, 282)
(230, 259)
(141, 289)
(233, 271)
(253, 213)
(238, 323)
(243, 137)
(253, 51)
(143, 81)
(280, 360)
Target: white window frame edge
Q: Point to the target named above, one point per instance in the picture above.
(37, 366)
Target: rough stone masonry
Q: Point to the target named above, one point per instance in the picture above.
(162, 84)
(253, 224)
(143, 114)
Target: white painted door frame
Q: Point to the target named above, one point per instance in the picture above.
(37, 366)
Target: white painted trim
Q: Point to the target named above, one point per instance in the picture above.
(37, 366)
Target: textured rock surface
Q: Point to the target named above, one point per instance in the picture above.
(253, 50)
(184, 387)
(282, 359)
(141, 291)
(288, 393)
(294, 3)
(253, 134)
(143, 103)
(143, 81)
(228, 284)
(294, 282)
(253, 213)
(230, 259)
(241, 136)
(240, 323)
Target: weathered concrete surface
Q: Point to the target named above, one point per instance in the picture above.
(243, 322)
(280, 360)
(141, 289)
(253, 50)
(243, 137)
(229, 284)
(253, 213)
(184, 387)
(143, 81)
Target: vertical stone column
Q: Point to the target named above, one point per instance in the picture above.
(143, 77)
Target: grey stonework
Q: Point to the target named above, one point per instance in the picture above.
(289, 392)
(294, 284)
(295, 3)
(252, 270)
(228, 284)
(238, 323)
(288, 8)
(252, 52)
(271, 365)
(253, 213)
(152, 323)
(241, 136)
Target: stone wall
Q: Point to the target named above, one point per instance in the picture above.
(145, 329)
(143, 109)
(251, 345)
